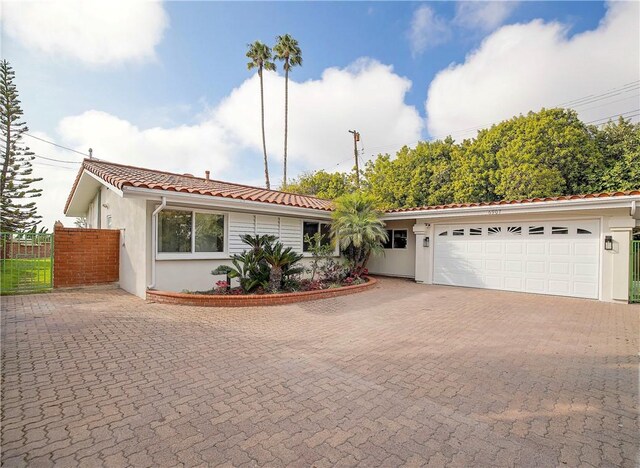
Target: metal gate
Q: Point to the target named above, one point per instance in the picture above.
(26, 262)
(634, 274)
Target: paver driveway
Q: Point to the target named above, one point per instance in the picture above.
(402, 374)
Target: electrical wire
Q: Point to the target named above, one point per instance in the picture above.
(57, 160)
(56, 144)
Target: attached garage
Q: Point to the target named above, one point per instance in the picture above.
(574, 245)
(559, 257)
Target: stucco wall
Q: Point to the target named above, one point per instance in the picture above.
(129, 215)
(191, 275)
(397, 262)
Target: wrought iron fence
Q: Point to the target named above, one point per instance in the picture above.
(26, 262)
(634, 273)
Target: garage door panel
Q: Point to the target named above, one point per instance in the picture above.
(554, 258)
(513, 283)
(534, 285)
(559, 268)
(535, 266)
(512, 265)
(586, 249)
(514, 248)
(494, 248)
(492, 265)
(536, 248)
(559, 287)
(559, 248)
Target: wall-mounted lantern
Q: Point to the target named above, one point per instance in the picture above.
(425, 242)
(608, 243)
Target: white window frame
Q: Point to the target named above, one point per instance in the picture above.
(391, 239)
(193, 255)
(336, 251)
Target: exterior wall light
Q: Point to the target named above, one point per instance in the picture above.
(608, 243)
(425, 242)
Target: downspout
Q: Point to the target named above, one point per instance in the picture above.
(154, 240)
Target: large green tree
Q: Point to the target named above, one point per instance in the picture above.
(416, 176)
(544, 153)
(322, 184)
(619, 144)
(288, 51)
(18, 211)
(260, 58)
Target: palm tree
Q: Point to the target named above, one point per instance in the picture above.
(281, 260)
(260, 55)
(287, 50)
(358, 228)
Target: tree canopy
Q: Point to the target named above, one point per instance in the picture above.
(546, 153)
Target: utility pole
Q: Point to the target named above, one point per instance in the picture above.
(356, 139)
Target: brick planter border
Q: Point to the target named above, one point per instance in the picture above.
(215, 300)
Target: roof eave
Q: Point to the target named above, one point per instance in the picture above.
(237, 204)
(623, 201)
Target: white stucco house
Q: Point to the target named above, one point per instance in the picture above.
(176, 228)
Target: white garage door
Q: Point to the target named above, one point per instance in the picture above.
(559, 257)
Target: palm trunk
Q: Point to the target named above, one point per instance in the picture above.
(275, 278)
(286, 120)
(264, 141)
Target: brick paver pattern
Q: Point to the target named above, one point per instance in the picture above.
(403, 374)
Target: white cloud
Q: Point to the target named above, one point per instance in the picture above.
(427, 30)
(93, 31)
(485, 16)
(528, 66)
(366, 96)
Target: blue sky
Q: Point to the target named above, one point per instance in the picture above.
(201, 55)
(165, 85)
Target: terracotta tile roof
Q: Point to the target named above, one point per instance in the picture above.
(517, 202)
(120, 176)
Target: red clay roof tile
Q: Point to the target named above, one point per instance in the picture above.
(517, 202)
(120, 176)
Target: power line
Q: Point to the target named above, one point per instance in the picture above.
(56, 144)
(57, 160)
(54, 165)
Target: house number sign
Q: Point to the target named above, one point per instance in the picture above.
(494, 212)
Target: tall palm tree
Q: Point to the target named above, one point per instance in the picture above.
(260, 55)
(287, 50)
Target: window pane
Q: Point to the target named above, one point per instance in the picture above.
(209, 232)
(559, 230)
(389, 243)
(400, 239)
(458, 232)
(536, 230)
(325, 230)
(174, 230)
(475, 231)
(308, 229)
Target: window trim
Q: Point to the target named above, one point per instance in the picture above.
(306, 254)
(193, 255)
(392, 243)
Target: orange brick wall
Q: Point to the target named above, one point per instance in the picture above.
(84, 257)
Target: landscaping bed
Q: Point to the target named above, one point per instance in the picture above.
(250, 300)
